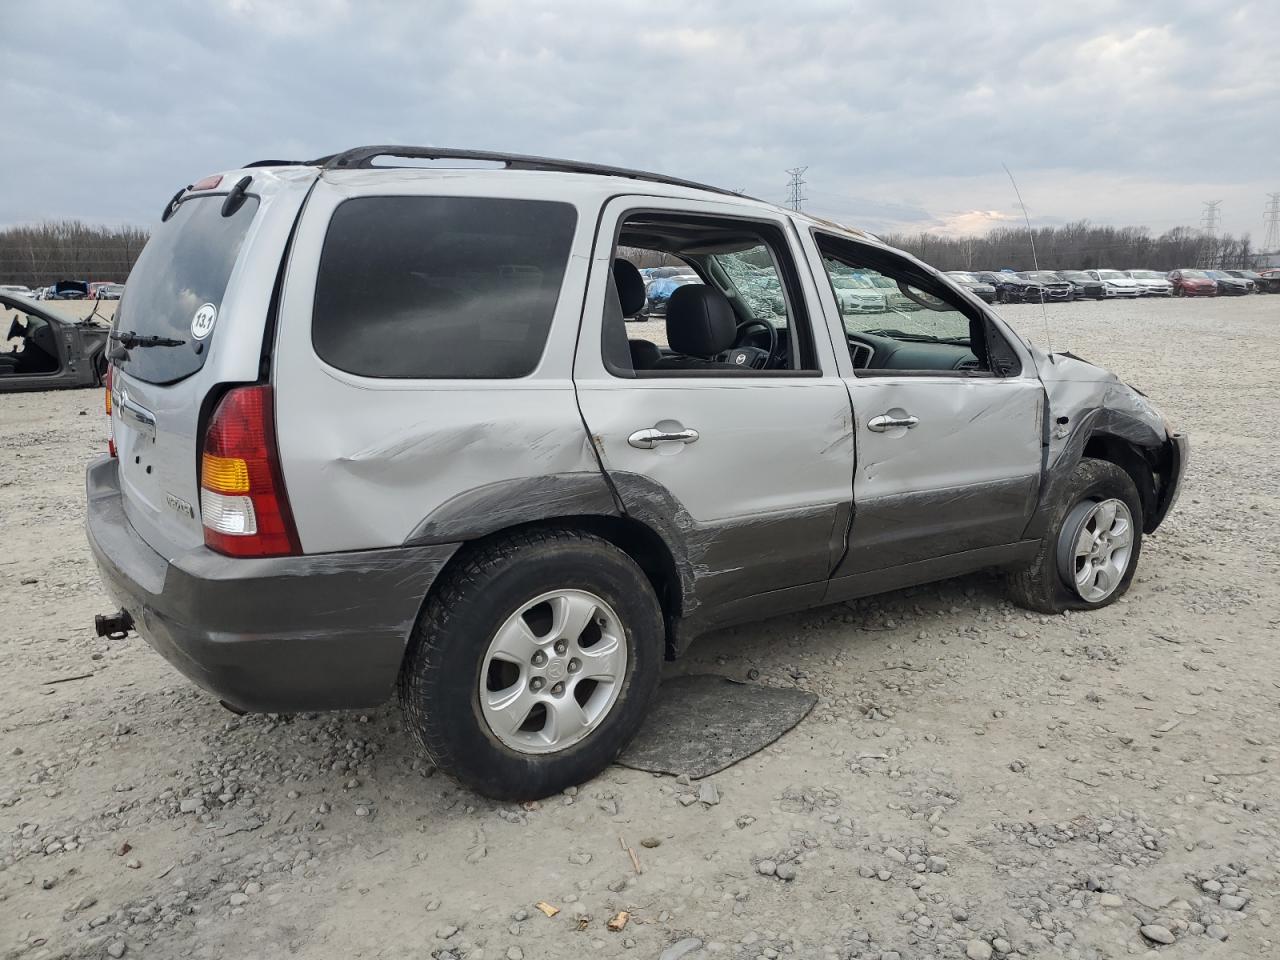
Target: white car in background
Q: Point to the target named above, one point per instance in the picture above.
(857, 294)
(1116, 284)
(1152, 283)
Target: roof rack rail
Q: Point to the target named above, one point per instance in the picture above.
(274, 163)
(361, 158)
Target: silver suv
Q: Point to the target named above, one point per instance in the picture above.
(382, 427)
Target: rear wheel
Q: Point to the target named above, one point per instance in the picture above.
(1090, 554)
(533, 663)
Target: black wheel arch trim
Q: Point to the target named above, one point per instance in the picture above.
(1151, 457)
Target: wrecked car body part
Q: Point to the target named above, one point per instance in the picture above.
(52, 352)
(701, 724)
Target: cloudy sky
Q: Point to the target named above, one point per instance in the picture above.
(1126, 112)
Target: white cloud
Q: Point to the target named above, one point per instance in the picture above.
(1110, 110)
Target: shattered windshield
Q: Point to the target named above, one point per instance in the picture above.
(754, 275)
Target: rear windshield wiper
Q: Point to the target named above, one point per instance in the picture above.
(129, 339)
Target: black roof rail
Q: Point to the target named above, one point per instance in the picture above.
(361, 158)
(275, 163)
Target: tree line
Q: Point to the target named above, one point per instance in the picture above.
(42, 254)
(1080, 246)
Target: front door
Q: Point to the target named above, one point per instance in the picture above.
(726, 420)
(948, 414)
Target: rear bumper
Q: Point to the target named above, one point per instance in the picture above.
(319, 632)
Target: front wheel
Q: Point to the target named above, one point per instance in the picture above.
(1090, 553)
(533, 663)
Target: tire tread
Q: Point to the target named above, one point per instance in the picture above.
(420, 675)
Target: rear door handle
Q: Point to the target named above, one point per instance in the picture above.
(649, 438)
(885, 422)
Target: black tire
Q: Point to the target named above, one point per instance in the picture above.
(1042, 584)
(440, 677)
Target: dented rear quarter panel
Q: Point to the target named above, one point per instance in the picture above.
(367, 460)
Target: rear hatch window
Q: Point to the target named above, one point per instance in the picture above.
(176, 287)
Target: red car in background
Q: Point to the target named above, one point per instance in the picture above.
(1193, 283)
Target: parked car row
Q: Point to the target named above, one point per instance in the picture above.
(69, 290)
(1045, 286)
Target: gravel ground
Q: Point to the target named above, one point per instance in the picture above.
(976, 781)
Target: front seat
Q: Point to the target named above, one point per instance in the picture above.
(700, 325)
(39, 351)
(631, 295)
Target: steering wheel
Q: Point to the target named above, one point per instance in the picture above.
(746, 354)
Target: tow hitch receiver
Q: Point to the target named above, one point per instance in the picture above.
(113, 626)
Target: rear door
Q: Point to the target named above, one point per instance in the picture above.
(204, 279)
(756, 480)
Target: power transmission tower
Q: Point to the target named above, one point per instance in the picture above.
(1271, 217)
(795, 195)
(1209, 225)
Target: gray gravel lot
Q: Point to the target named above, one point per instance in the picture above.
(975, 781)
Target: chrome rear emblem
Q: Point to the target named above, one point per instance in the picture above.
(180, 505)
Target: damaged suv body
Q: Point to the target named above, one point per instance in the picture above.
(382, 429)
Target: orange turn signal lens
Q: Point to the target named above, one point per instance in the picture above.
(224, 474)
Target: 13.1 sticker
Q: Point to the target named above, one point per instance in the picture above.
(203, 321)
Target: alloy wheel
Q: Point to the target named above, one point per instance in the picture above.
(553, 671)
(1095, 546)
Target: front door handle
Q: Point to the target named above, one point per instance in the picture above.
(885, 422)
(649, 438)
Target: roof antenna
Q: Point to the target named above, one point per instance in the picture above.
(1048, 336)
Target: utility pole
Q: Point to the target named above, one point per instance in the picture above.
(795, 196)
(1209, 224)
(1271, 218)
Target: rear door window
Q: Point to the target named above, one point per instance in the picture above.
(182, 273)
(440, 287)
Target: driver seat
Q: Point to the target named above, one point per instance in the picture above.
(39, 352)
(700, 325)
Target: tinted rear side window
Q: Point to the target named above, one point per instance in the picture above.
(440, 287)
(183, 268)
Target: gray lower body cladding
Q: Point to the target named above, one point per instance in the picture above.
(319, 632)
(891, 531)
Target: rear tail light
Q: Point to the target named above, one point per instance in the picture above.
(243, 504)
(111, 430)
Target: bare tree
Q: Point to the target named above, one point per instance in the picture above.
(1079, 246)
(43, 253)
